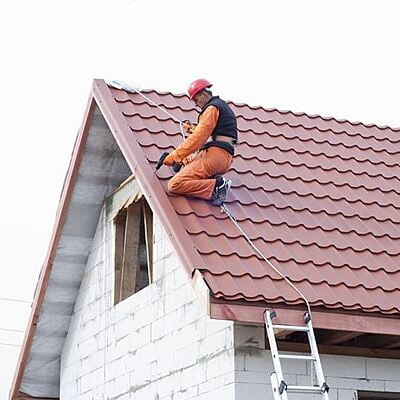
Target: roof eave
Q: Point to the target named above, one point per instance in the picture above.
(332, 320)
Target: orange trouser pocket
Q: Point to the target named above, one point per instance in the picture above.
(195, 178)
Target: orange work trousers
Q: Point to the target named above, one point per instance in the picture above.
(195, 178)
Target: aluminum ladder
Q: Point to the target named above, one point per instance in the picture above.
(279, 387)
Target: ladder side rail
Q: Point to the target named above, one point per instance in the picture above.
(317, 363)
(275, 352)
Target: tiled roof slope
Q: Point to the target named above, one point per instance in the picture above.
(319, 197)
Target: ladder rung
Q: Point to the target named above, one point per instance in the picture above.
(295, 357)
(305, 389)
(291, 328)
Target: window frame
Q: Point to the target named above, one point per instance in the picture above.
(132, 220)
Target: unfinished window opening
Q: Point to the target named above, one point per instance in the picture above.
(363, 395)
(133, 249)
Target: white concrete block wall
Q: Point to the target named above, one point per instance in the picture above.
(157, 344)
(345, 375)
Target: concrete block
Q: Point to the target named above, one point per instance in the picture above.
(87, 347)
(122, 347)
(214, 343)
(69, 373)
(140, 376)
(186, 335)
(239, 360)
(191, 312)
(249, 336)
(192, 375)
(176, 299)
(383, 369)
(91, 380)
(181, 277)
(226, 392)
(220, 364)
(345, 394)
(158, 306)
(157, 329)
(69, 390)
(252, 377)
(164, 365)
(392, 386)
(212, 384)
(202, 327)
(139, 337)
(91, 363)
(260, 360)
(144, 354)
(123, 327)
(116, 368)
(346, 367)
(143, 317)
(185, 357)
(256, 359)
(89, 328)
(186, 394)
(360, 384)
(120, 386)
(167, 386)
(215, 325)
(253, 391)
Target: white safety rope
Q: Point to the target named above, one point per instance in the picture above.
(224, 208)
(122, 85)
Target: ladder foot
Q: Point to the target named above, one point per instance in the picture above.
(325, 388)
(282, 387)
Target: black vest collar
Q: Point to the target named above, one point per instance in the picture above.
(208, 102)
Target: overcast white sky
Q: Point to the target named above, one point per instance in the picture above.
(335, 58)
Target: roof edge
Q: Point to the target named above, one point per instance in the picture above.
(45, 272)
(333, 320)
(148, 181)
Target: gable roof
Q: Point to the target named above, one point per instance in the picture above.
(318, 196)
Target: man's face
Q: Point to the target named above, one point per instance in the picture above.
(200, 99)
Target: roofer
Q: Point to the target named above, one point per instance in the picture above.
(207, 153)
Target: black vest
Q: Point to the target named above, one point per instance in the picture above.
(226, 124)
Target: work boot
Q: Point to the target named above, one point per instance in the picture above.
(222, 186)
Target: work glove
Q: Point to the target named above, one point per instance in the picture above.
(188, 127)
(169, 160)
(161, 161)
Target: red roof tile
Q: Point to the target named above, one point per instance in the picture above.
(319, 197)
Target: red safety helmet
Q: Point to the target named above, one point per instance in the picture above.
(198, 85)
